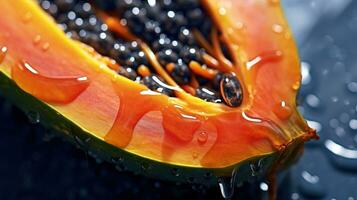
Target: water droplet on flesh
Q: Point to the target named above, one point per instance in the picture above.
(3, 52)
(202, 138)
(282, 110)
(37, 40)
(27, 17)
(59, 89)
(277, 28)
(45, 46)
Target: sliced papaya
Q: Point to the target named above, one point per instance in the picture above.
(175, 90)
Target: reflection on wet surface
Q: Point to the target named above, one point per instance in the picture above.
(328, 99)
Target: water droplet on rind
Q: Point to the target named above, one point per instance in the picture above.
(175, 172)
(225, 187)
(34, 117)
(145, 166)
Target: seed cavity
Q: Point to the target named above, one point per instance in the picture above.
(179, 34)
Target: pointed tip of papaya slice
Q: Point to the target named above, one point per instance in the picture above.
(132, 126)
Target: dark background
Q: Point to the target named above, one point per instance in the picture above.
(35, 166)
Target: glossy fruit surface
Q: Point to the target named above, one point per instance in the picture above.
(81, 95)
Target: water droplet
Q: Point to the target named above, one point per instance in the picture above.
(282, 110)
(344, 117)
(305, 73)
(334, 123)
(310, 185)
(352, 87)
(202, 138)
(120, 167)
(353, 124)
(3, 52)
(340, 131)
(313, 101)
(27, 17)
(341, 156)
(37, 40)
(45, 46)
(315, 125)
(334, 99)
(175, 172)
(277, 28)
(117, 160)
(255, 168)
(226, 188)
(296, 85)
(295, 196)
(263, 186)
(34, 117)
(145, 166)
(194, 155)
(222, 11)
(59, 89)
(79, 142)
(227, 185)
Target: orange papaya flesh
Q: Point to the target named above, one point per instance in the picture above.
(183, 132)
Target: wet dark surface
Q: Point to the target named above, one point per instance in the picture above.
(33, 166)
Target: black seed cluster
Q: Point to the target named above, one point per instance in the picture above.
(155, 83)
(79, 21)
(166, 26)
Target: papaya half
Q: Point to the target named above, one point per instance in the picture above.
(178, 90)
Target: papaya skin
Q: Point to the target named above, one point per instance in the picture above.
(236, 136)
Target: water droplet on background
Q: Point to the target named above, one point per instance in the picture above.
(310, 185)
(313, 101)
(352, 87)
